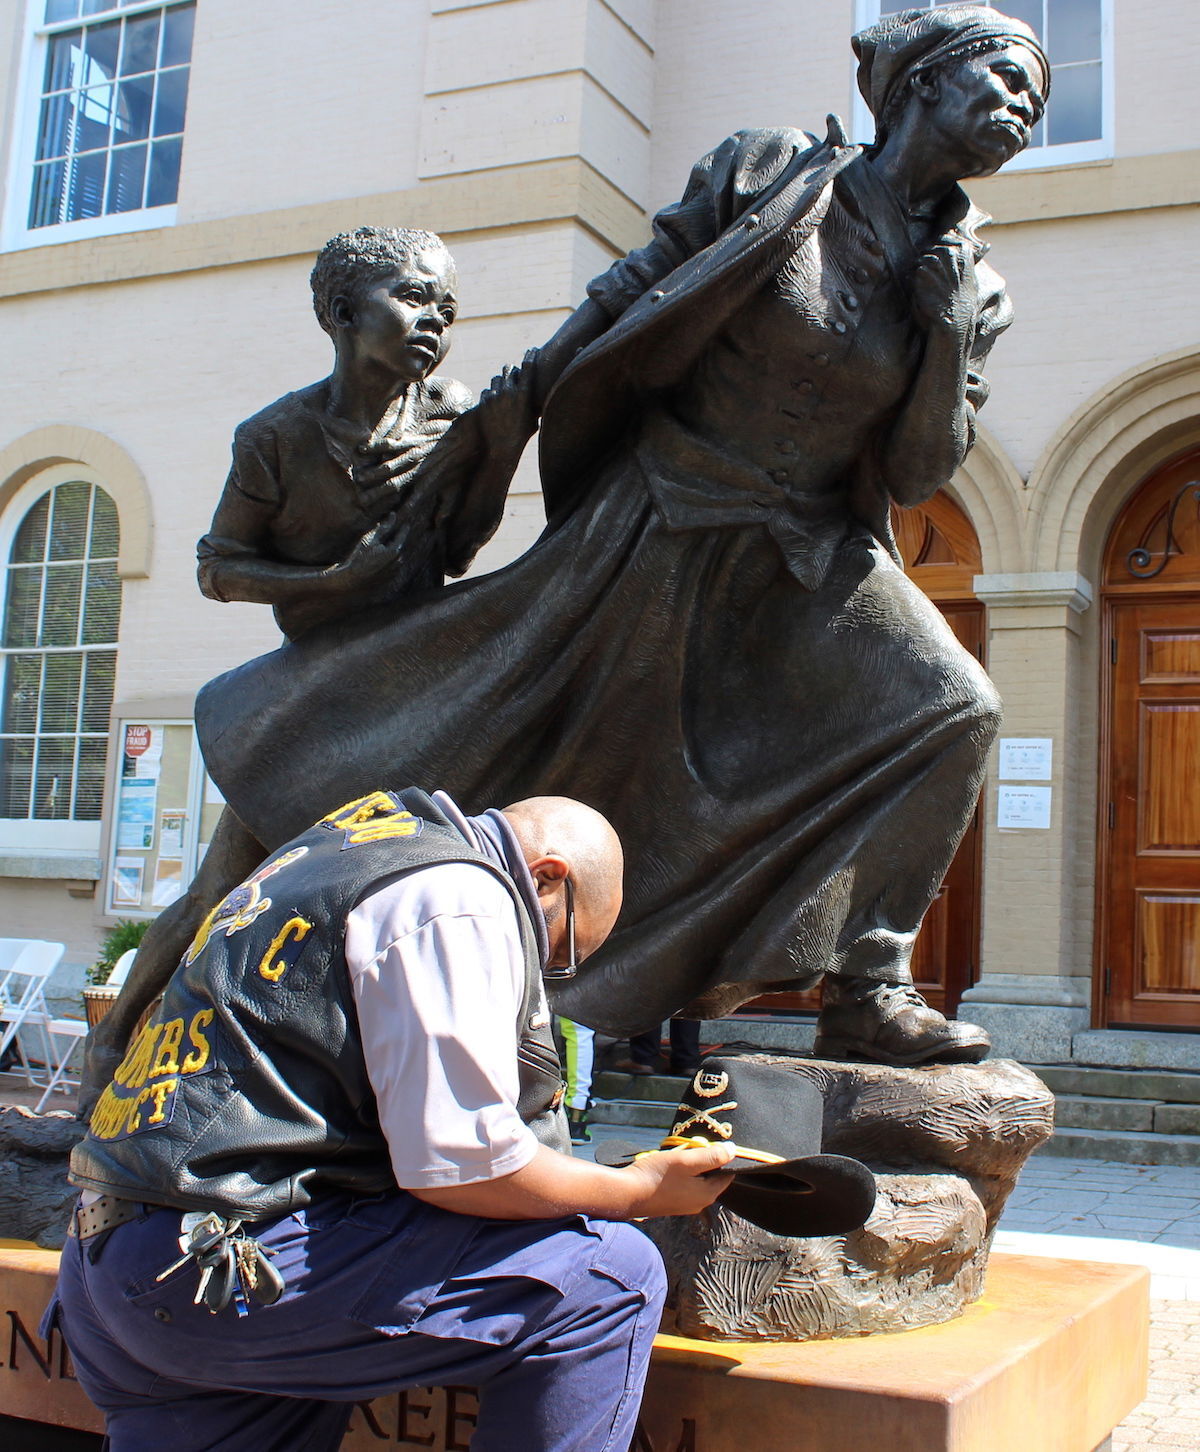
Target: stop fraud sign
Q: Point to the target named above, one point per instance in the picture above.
(137, 740)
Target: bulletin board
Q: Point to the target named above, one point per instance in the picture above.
(163, 812)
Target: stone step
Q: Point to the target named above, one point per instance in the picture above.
(1177, 1088)
(1126, 1146)
(660, 1088)
(1083, 1111)
(1075, 1111)
(788, 1035)
(644, 1113)
(1136, 1049)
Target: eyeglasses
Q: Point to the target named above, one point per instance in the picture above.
(560, 975)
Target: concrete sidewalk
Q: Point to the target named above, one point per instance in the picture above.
(1136, 1214)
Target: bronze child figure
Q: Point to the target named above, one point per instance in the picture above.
(371, 485)
(352, 492)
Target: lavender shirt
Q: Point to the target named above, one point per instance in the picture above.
(438, 973)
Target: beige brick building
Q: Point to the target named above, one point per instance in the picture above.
(149, 303)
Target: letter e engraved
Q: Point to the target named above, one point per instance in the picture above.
(457, 1412)
(406, 1433)
(18, 1333)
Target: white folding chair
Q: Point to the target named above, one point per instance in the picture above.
(63, 1036)
(120, 970)
(25, 966)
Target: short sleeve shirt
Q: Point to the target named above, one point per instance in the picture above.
(438, 974)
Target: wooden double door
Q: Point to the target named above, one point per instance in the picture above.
(1148, 879)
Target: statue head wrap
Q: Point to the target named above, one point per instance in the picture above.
(890, 52)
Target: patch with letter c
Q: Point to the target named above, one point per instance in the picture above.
(286, 946)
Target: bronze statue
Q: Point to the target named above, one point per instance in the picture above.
(369, 485)
(713, 641)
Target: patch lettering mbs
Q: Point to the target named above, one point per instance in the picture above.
(142, 1093)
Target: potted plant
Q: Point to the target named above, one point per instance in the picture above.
(98, 996)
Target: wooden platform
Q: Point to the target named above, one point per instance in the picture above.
(1051, 1359)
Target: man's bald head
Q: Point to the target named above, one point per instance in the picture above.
(559, 837)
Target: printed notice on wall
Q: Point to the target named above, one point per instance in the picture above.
(168, 881)
(1026, 758)
(142, 751)
(127, 882)
(1022, 808)
(170, 833)
(135, 813)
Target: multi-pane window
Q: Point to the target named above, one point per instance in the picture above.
(113, 97)
(62, 611)
(1072, 32)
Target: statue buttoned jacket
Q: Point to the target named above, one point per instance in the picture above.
(748, 207)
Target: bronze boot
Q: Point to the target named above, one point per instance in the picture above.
(890, 1023)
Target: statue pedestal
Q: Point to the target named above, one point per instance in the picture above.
(1053, 1356)
(946, 1145)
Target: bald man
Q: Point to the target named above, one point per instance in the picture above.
(351, 1086)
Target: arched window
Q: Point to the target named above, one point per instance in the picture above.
(58, 643)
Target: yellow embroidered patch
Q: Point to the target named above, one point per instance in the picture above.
(286, 947)
(242, 906)
(363, 809)
(710, 1085)
(151, 1073)
(403, 824)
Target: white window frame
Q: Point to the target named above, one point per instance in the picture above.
(15, 234)
(25, 836)
(1033, 158)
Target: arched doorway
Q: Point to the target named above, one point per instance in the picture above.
(1148, 878)
(941, 554)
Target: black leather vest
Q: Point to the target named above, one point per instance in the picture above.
(247, 1091)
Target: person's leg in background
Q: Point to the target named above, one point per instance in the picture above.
(579, 1057)
(643, 1053)
(685, 1046)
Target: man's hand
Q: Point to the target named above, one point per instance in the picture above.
(681, 1181)
(945, 291)
(665, 1182)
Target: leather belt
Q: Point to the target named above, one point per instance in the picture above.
(104, 1213)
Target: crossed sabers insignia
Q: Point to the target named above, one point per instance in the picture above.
(704, 1117)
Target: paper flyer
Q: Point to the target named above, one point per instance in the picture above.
(1026, 758)
(127, 882)
(135, 813)
(168, 881)
(142, 752)
(1023, 808)
(170, 832)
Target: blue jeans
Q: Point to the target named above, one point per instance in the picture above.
(553, 1321)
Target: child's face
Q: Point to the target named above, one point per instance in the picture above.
(402, 321)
